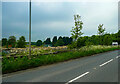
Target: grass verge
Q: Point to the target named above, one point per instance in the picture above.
(12, 65)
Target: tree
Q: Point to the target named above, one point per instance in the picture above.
(12, 41)
(66, 40)
(81, 42)
(76, 31)
(47, 41)
(0, 43)
(118, 37)
(101, 30)
(60, 42)
(39, 43)
(95, 39)
(107, 40)
(4, 41)
(54, 40)
(21, 42)
(88, 43)
(60, 38)
(70, 40)
(32, 43)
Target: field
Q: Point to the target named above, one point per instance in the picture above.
(15, 52)
(12, 64)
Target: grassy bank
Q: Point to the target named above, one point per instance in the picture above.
(12, 65)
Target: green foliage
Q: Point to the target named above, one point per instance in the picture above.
(101, 29)
(60, 42)
(39, 43)
(67, 40)
(47, 41)
(76, 31)
(88, 43)
(12, 41)
(32, 43)
(107, 40)
(60, 38)
(3, 53)
(12, 64)
(54, 40)
(4, 41)
(21, 42)
(81, 42)
(72, 45)
(118, 37)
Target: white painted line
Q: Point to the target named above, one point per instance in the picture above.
(94, 68)
(106, 63)
(77, 78)
(117, 56)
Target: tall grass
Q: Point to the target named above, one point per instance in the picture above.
(12, 65)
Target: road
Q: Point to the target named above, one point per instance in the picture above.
(97, 68)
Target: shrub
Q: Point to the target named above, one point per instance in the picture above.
(16, 64)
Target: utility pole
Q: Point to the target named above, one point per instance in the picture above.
(30, 29)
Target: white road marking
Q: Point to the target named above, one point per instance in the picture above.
(94, 68)
(77, 78)
(117, 56)
(106, 63)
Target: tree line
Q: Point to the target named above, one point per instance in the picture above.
(75, 41)
(61, 41)
(101, 39)
(105, 39)
(11, 42)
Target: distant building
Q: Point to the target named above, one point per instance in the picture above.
(47, 45)
(114, 43)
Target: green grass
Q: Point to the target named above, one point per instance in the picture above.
(12, 65)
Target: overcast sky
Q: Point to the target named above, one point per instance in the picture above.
(56, 18)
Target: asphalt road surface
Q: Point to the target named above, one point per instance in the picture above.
(97, 68)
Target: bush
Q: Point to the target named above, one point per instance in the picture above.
(16, 64)
(87, 43)
(81, 42)
(73, 45)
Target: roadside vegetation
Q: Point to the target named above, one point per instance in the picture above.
(15, 64)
